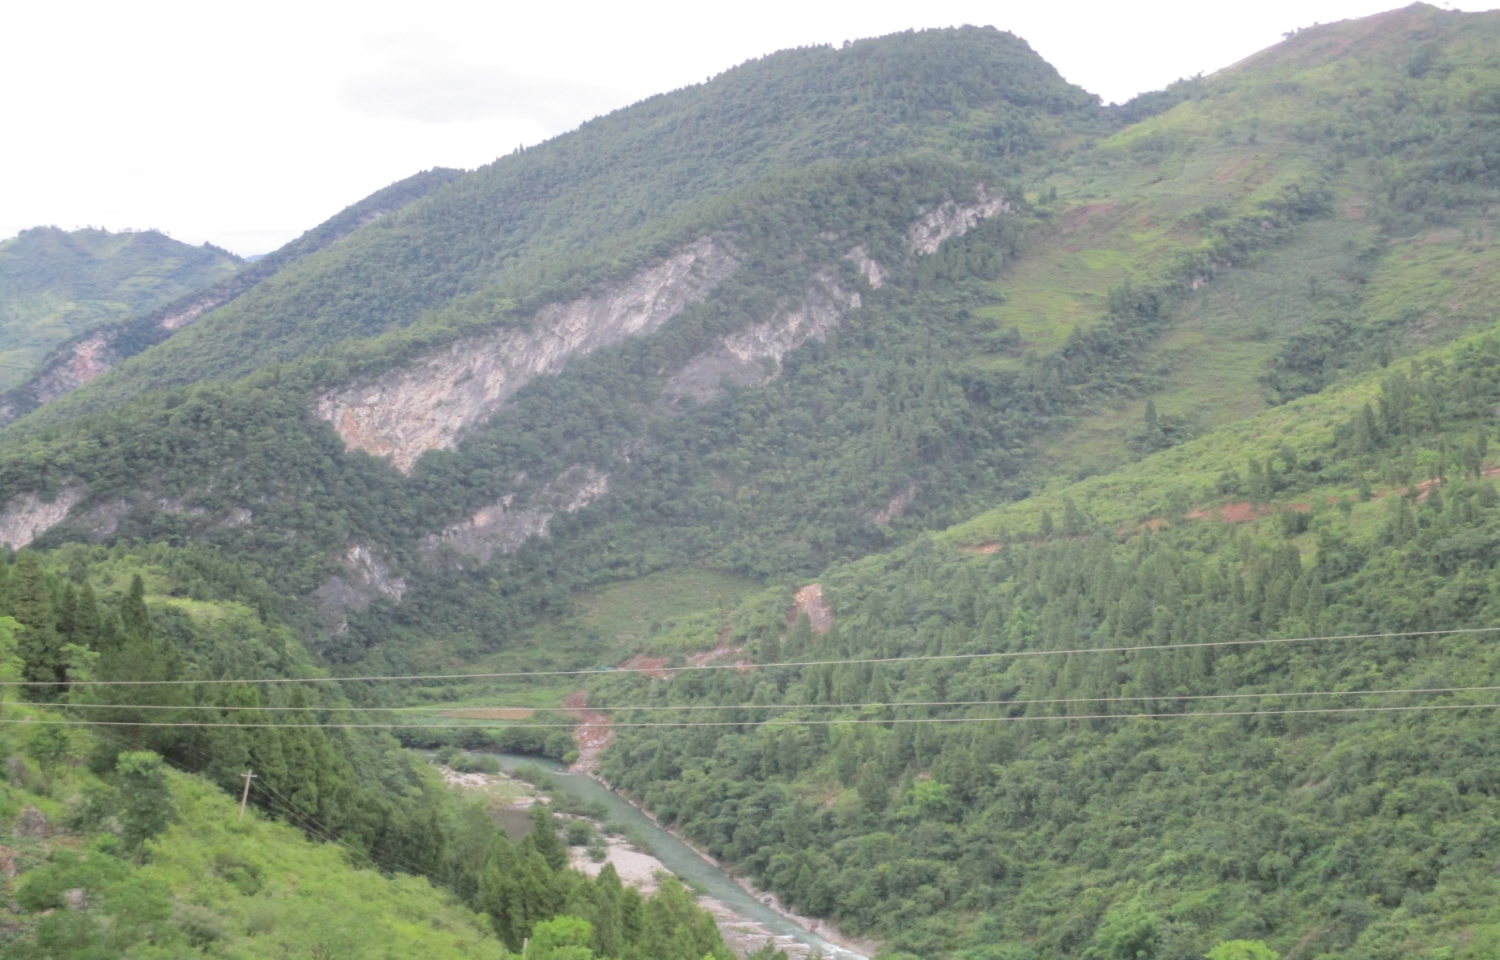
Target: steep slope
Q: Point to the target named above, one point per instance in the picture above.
(595, 202)
(105, 851)
(807, 367)
(1081, 725)
(1389, 117)
(55, 285)
(213, 886)
(466, 432)
(102, 346)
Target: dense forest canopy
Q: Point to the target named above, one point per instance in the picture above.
(56, 284)
(1081, 510)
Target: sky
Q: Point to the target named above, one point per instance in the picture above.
(245, 124)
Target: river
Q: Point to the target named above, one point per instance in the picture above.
(691, 867)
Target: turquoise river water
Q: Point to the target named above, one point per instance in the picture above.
(692, 868)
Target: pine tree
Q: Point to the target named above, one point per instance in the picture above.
(134, 617)
(86, 617)
(39, 645)
(544, 839)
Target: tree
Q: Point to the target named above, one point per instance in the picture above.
(544, 837)
(1128, 932)
(39, 645)
(1243, 950)
(561, 938)
(50, 746)
(146, 808)
(133, 613)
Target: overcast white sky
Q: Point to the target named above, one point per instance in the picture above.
(246, 124)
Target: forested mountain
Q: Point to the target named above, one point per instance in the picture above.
(632, 392)
(55, 285)
(1330, 795)
(104, 343)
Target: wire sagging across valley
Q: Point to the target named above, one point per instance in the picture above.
(657, 671)
(500, 725)
(893, 704)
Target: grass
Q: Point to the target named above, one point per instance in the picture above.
(636, 611)
(674, 611)
(250, 887)
(1440, 282)
(1174, 481)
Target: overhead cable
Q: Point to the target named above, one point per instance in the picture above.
(670, 671)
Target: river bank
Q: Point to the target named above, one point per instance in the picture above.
(511, 797)
(747, 918)
(819, 928)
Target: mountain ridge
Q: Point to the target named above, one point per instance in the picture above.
(975, 459)
(56, 284)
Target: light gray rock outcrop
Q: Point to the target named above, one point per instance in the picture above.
(427, 405)
(753, 355)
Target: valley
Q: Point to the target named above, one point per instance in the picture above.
(990, 524)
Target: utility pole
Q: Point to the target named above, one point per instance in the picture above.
(245, 797)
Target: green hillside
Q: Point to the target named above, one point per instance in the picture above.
(593, 203)
(1010, 375)
(95, 350)
(110, 852)
(1258, 801)
(55, 285)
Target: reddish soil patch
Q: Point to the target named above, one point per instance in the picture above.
(1426, 487)
(1240, 512)
(651, 666)
(809, 600)
(983, 549)
(709, 656)
(488, 713)
(591, 735)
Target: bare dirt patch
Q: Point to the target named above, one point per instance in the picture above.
(651, 666)
(809, 600)
(592, 734)
(1241, 511)
(721, 652)
(982, 549)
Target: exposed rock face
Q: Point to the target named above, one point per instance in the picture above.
(952, 220)
(26, 517)
(365, 578)
(502, 528)
(428, 405)
(867, 266)
(189, 312)
(896, 507)
(753, 355)
(104, 519)
(95, 355)
(84, 361)
(809, 600)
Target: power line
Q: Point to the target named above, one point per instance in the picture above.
(757, 723)
(294, 817)
(787, 706)
(672, 671)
